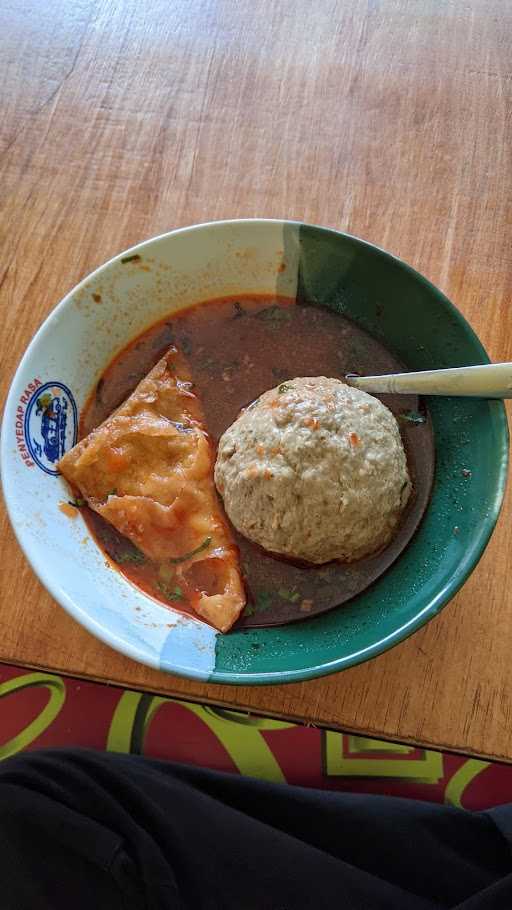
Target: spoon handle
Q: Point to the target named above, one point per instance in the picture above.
(491, 380)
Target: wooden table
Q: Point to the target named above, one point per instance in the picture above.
(386, 118)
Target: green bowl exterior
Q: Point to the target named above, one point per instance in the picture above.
(420, 325)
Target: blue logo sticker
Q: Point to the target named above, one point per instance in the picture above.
(51, 425)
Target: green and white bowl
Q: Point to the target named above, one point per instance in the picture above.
(96, 319)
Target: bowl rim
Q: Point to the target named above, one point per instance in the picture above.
(463, 570)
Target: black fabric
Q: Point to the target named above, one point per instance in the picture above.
(82, 829)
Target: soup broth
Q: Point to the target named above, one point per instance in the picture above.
(236, 349)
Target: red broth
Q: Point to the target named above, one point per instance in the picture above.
(237, 348)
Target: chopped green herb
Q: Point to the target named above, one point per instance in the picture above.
(412, 417)
(175, 593)
(112, 492)
(239, 310)
(274, 315)
(130, 556)
(166, 574)
(283, 388)
(292, 595)
(77, 503)
(203, 546)
(263, 601)
(134, 258)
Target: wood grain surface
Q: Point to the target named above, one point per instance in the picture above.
(391, 119)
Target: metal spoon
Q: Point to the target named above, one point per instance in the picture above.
(491, 380)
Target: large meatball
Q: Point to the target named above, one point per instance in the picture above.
(314, 470)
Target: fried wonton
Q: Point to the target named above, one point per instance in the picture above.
(148, 470)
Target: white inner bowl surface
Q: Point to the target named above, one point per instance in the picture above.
(69, 353)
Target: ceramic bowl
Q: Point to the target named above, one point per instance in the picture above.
(140, 286)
